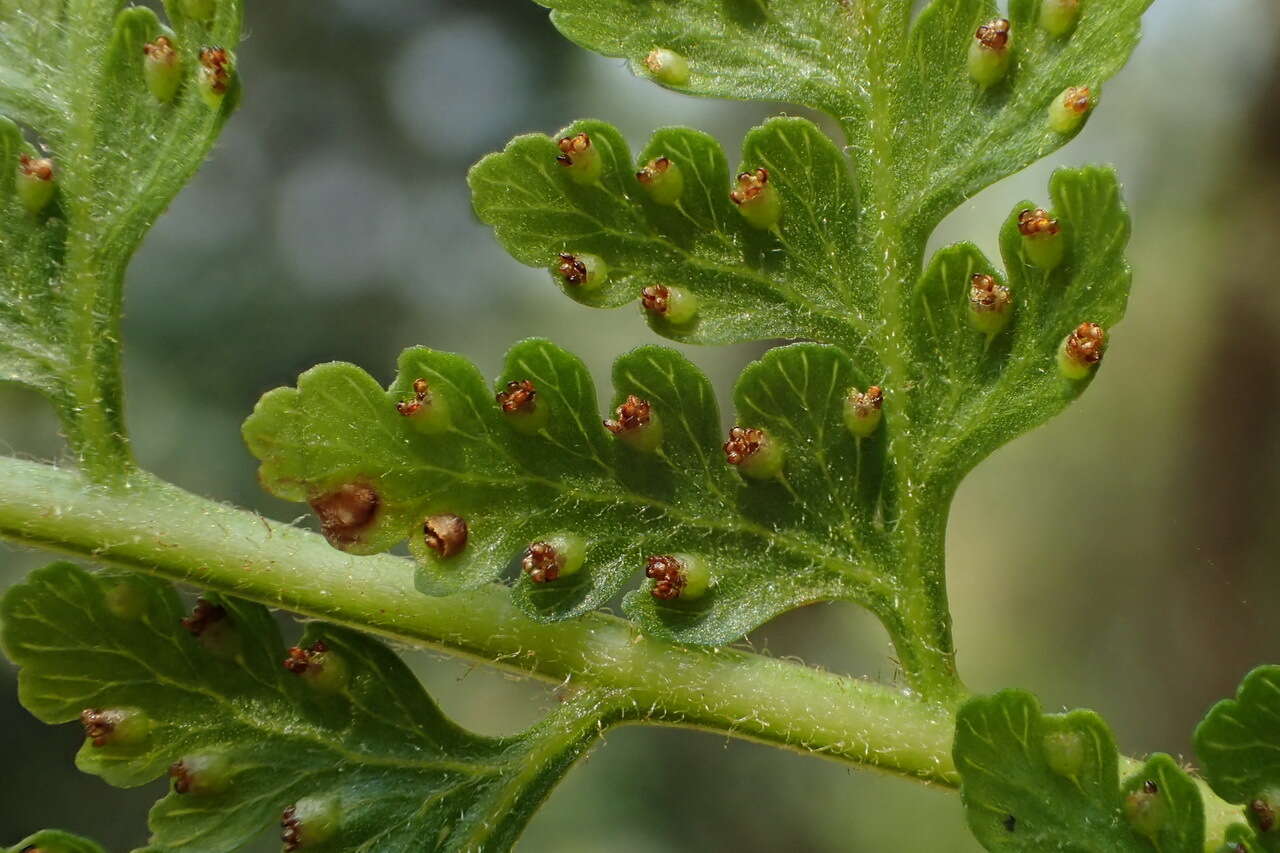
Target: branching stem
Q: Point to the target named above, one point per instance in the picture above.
(151, 526)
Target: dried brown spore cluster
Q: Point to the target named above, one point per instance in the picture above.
(519, 396)
(216, 62)
(1078, 99)
(743, 443)
(571, 147)
(632, 415)
(1035, 222)
(867, 402)
(203, 615)
(1087, 343)
(656, 298)
(421, 397)
(572, 269)
(39, 168)
(299, 660)
(290, 829)
(346, 513)
(994, 35)
(542, 562)
(667, 572)
(986, 294)
(446, 534)
(653, 170)
(160, 49)
(99, 725)
(181, 777)
(750, 185)
(1264, 815)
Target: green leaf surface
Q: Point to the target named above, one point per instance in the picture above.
(794, 282)
(56, 841)
(964, 140)
(360, 738)
(759, 49)
(972, 394)
(1049, 782)
(1238, 744)
(899, 87)
(770, 545)
(72, 89)
(838, 523)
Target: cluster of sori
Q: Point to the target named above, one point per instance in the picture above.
(162, 65)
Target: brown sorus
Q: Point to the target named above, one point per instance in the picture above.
(446, 534)
(542, 562)
(667, 573)
(346, 512)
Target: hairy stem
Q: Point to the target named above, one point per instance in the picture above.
(151, 526)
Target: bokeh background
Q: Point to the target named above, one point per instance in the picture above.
(1122, 558)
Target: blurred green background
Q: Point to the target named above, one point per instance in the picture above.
(1122, 558)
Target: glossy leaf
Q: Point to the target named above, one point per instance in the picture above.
(56, 841)
(961, 140)
(899, 87)
(394, 773)
(972, 393)
(1238, 744)
(794, 282)
(771, 546)
(735, 48)
(1038, 782)
(831, 527)
(71, 76)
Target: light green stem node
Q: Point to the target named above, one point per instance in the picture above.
(522, 408)
(990, 304)
(581, 272)
(570, 552)
(697, 576)
(637, 425)
(862, 411)
(662, 181)
(426, 410)
(756, 453)
(757, 200)
(162, 68)
(221, 638)
(682, 306)
(675, 305)
(125, 600)
(1081, 351)
(35, 182)
(118, 729)
(1058, 17)
(546, 560)
(580, 159)
(324, 670)
(1146, 810)
(1068, 110)
(310, 821)
(216, 73)
(667, 67)
(1064, 752)
(1042, 238)
(203, 774)
(990, 52)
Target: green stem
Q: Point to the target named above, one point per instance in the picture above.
(155, 527)
(148, 525)
(919, 618)
(93, 279)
